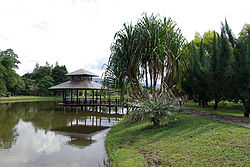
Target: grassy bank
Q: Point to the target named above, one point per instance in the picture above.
(27, 99)
(229, 109)
(191, 141)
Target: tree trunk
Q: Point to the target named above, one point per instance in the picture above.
(155, 121)
(199, 101)
(216, 103)
(247, 111)
(204, 103)
(151, 80)
(146, 75)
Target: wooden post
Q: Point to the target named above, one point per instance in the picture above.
(85, 94)
(77, 96)
(100, 97)
(93, 94)
(71, 96)
(96, 119)
(63, 96)
(96, 96)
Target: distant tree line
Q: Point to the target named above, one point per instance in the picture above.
(34, 83)
(43, 77)
(219, 68)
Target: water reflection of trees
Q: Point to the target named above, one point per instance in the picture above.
(78, 126)
(8, 122)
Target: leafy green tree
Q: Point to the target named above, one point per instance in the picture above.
(43, 77)
(207, 39)
(30, 85)
(58, 74)
(9, 59)
(41, 71)
(3, 88)
(10, 81)
(44, 84)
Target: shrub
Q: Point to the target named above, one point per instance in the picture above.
(154, 109)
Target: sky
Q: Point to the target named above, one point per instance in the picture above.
(79, 33)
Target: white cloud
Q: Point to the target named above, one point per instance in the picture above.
(78, 33)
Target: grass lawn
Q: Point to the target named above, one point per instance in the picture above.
(27, 99)
(230, 109)
(190, 141)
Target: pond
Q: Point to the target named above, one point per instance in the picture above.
(35, 134)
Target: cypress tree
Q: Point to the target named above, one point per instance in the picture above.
(241, 80)
(246, 91)
(215, 54)
(197, 82)
(220, 69)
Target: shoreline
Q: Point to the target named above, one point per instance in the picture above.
(14, 99)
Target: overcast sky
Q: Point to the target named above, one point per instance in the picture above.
(78, 33)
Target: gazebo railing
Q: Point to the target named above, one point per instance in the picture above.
(91, 101)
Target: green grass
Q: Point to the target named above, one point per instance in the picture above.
(190, 141)
(27, 99)
(229, 109)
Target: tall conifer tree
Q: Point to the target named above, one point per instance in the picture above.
(221, 61)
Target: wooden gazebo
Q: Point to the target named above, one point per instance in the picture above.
(82, 91)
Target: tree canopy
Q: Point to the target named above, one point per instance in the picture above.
(221, 70)
(149, 52)
(35, 83)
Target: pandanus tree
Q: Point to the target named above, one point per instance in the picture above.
(149, 52)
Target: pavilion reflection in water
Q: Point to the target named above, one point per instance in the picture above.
(82, 126)
(79, 127)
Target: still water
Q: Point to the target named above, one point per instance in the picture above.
(36, 134)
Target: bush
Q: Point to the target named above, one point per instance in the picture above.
(154, 109)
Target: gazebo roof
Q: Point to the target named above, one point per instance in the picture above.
(76, 84)
(82, 72)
